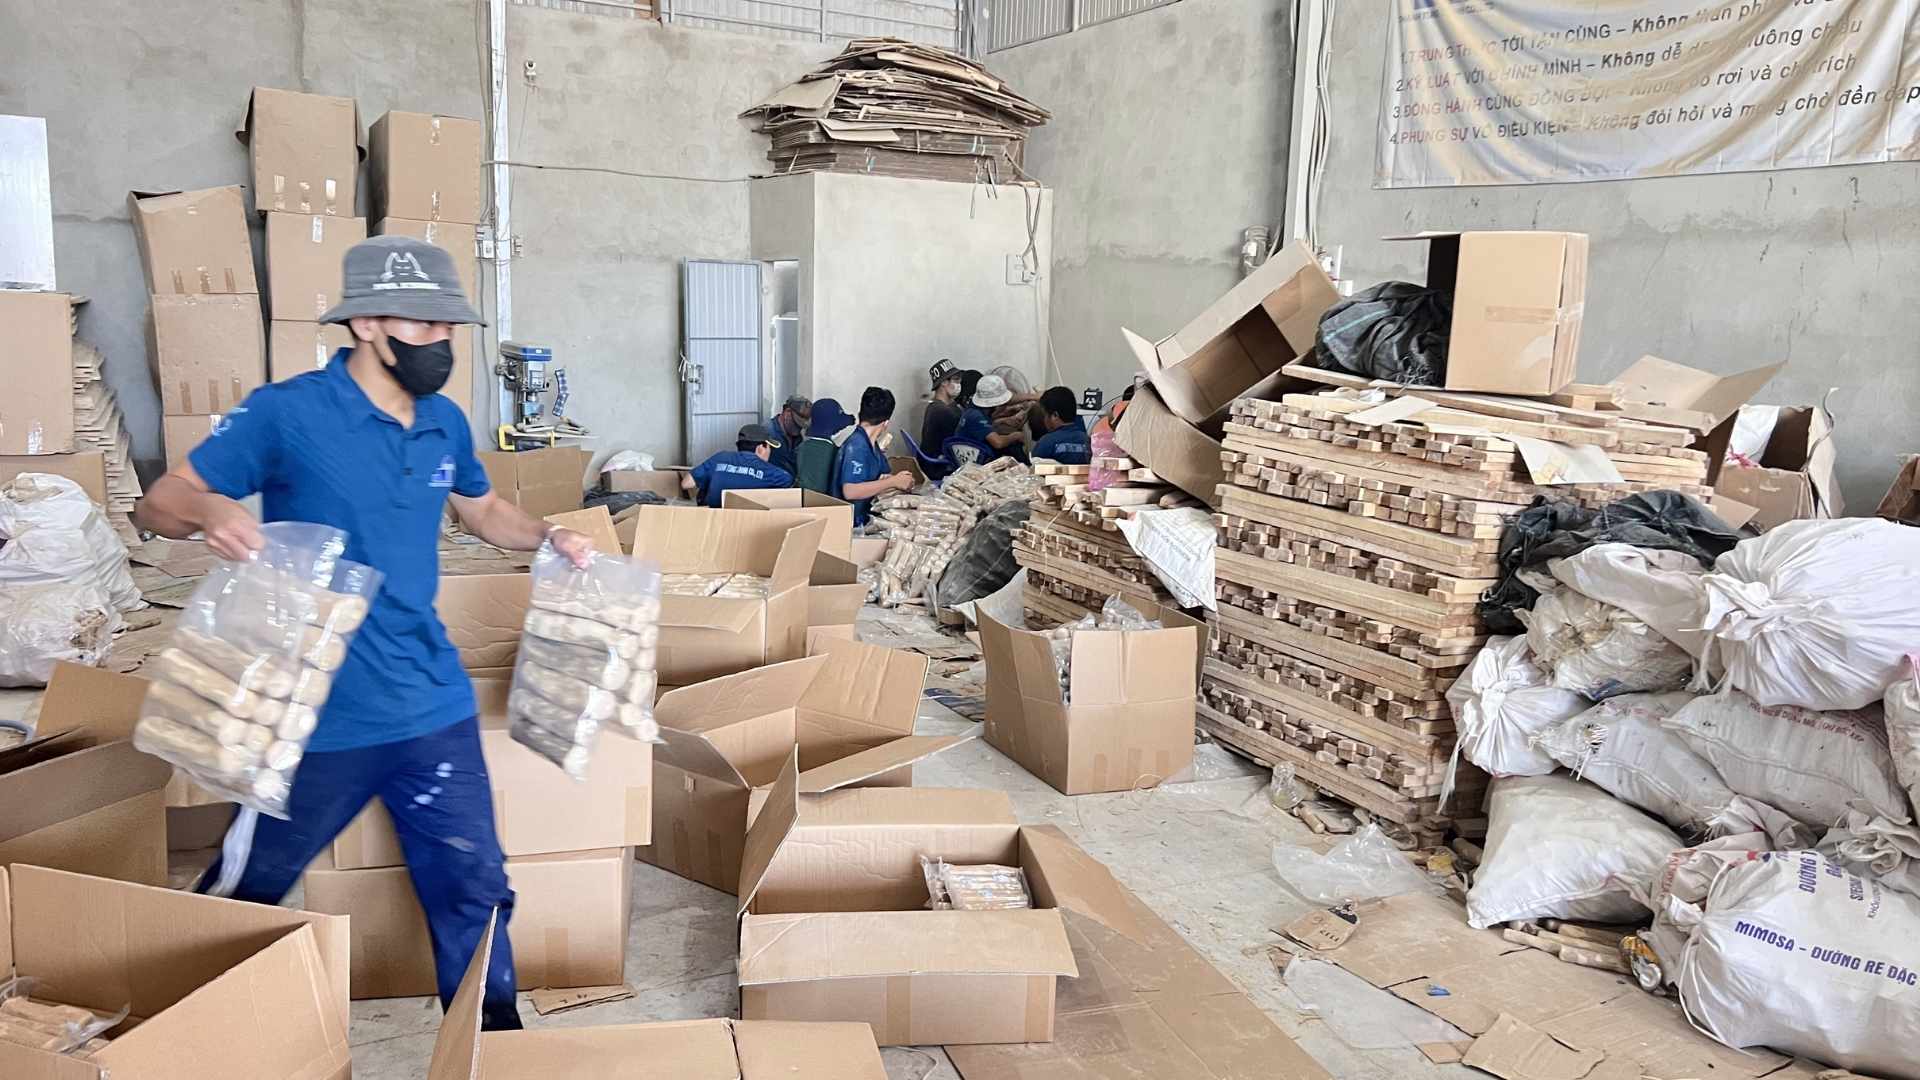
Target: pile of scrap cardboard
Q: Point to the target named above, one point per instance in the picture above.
(898, 108)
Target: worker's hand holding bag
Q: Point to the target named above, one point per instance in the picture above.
(237, 694)
(586, 656)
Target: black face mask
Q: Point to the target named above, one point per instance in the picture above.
(421, 369)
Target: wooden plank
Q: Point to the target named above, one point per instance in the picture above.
(1431, 550)
(1268, 750)
(1347, 594)
(1385, 466)
(1411, 743)
(1382, 668)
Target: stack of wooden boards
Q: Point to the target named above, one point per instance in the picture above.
(97, 426)
(1072, 549)
(899, 108)
(1353, 552)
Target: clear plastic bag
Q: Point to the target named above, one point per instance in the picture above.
(1364, 866)
(586, 656)
(58, 1029)
(237, 694)
(984, 887)
(1117, 614)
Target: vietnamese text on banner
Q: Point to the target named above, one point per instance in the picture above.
(1556, 91)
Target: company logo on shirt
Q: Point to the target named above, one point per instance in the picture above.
(223, 422)
(443, 476)
(743, 470)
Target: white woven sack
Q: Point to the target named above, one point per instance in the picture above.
(1813, 765)
(1819, 614)
(1499, 703)
(1903, 732)
(55, 534)
(1600, 650)
(1660, 588)
(1786, 949)
(1560, 848)
(1872, 846)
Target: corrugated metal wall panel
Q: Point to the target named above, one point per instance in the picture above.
(1016, 22)
(936, 22)
(624, 9)
(1099, 11)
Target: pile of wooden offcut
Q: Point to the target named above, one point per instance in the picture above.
(1354, 546)
(899, 108)
(97, 426)
(1072, 549)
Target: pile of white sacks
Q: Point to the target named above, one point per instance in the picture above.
(1733, 754)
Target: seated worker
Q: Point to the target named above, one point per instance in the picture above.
(789, 426)
(977, 423)
(1066, 438)
(747, 465)
(816, 452)
(860, 471)
(944, 411)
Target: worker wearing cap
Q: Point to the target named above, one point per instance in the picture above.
(789, 427)
(977, 424)
(942, 418)
(748, 465)
(368, 445)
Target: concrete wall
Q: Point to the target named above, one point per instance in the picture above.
(1169, 137)
(1721, 272)
(896, 274)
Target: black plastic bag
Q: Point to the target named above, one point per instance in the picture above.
(1552, 529)
(984, 561)
(1396, 331)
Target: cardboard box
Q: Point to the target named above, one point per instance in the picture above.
(457, 239)
(825, 871)
(569, 925)
(194, 241)
(1180, 453)
(537, 809)
(662, 482)
(1902, 500)
(208, 352)
(426, 167)
(483, 614)
(705, 637)
(1794, 480)
(1663, 392)
(595, 523)
(36, 415)
(295, 348)
(835, 595)
(836, 541)
(1128, 721)
(1239, 344)
(848, 712)
(541, 482)
(868, 550)
(1518, 302)
(78, 796)
(88, 469)
(221, 989)
(197, 828)
(305, 253)
(182, 433)
(459, 388)
(305, 150)
(681, 1050)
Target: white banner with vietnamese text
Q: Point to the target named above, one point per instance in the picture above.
(1555, 91)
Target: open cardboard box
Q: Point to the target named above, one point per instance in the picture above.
(484, 614)
(848, 711)
(1663, 392)
(537, 809)
(1519, 298)
(834, 923)
(1795, 478)
(1181, 454)
(835, 595)
(836, 541)
(78, 796)
(682, 1050)
(705, 637)
(662, 482)
(1128, 719)
(541, 482)
(1238, 345)
(214, 989)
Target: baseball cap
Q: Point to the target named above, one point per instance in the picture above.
(944, 371)
(800, 405)
(991, 391)
(757, 434)
(401, 277)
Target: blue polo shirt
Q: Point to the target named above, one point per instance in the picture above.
(783, 455)
(975, 424)
(1067, 445)
(316, 449)
(730, 469)
(858, 462)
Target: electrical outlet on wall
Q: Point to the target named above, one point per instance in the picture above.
(1018, 272)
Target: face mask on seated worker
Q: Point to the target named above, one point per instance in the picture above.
(421, 370)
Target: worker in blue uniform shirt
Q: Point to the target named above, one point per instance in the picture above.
(860, 470)
(748, 465)
(978, 423)
(790, 425)
(1066, 439)
(368, 445)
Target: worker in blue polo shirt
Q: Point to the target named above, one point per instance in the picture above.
(789, 425)
(367, 445)
(747, 465)
(1066, 439)
(860, 469)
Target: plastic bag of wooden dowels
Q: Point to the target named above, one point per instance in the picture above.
(974, 888)
(238, 692)
(49, 1026)
(586, 657)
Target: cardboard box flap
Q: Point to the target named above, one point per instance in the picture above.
(697, 540)
(1115, 666)
(456, 1049)
(797, 551)
(6, 921)
(1291, 288)
(105, 704)
(780, 1050)
(595, 522)
(1144, 352)
(744, 695)
(1064, 876)
(726, 614)
(682, 1050)
(877, 761)
(831, 569)
(864, 695)
(73, 783)
(1183, 455)
(693, 753)
(1823, 462)
(886, 944)
(1670, 386)
(1021, 655)
(40, 1065)
(769, 830)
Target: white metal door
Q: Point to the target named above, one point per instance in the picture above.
(720, 361)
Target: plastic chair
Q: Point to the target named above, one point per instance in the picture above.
(813, 465)
(960, 450)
